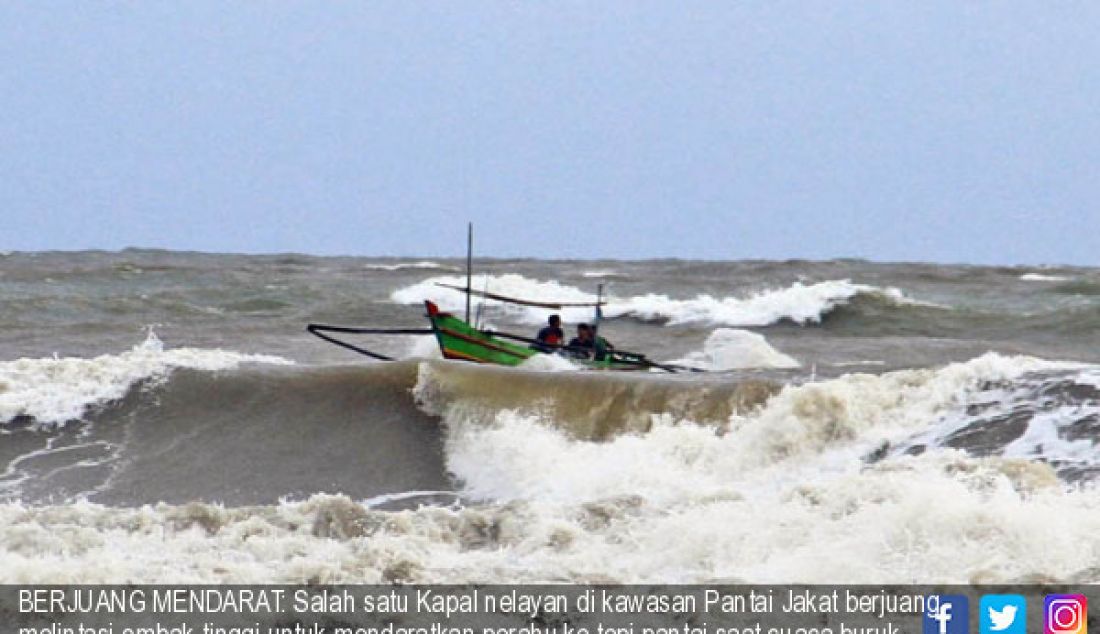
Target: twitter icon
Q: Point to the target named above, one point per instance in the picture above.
(1003, 614)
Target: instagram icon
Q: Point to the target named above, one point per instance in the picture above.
(1065, 614)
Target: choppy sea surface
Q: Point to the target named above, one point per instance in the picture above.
(165, 417)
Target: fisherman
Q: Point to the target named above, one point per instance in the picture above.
(551, 336)
(582, 344)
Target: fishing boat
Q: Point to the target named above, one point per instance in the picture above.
(463, 340)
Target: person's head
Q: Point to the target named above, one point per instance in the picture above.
(554, 321)
(584, 332)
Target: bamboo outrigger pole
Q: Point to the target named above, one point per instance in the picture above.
(469, 265)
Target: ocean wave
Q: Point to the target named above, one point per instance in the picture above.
(1041, 277)
(802, 303)
(601, 273)
(422, 347)
(587, 405)
(510, 284)
(799, 303)
(780, 491)
(1051, 416)
(514, 446)
(1080, 287)
(402, 266)
(939, 518)
(945, 519)
(730, 349)
(252, 435)
(764, 427)
(550, 363)
(56, 390)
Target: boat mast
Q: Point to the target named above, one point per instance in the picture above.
(469, 265)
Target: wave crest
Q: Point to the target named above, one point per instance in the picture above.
(779, 492)
(55, 390)
(402, 266)
(801, 303)
(730, 349)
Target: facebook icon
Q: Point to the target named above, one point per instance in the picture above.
(946, 614)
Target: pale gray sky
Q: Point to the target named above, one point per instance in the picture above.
(929, 130)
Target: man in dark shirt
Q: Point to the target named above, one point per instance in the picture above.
(581, 345)
(551, 336)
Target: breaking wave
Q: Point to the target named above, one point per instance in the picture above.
(251, 435)
(56, 390)
(402, 266)
(730, 349)
(701, 480)
(945, 463)
(800, 303)
(1041, 277)
(511, 284)
(602, 273)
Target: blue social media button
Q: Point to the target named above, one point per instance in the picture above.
(1003, 614)
(946, 614)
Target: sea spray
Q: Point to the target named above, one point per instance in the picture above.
(55, 390)
(941, 463)
(799, 303)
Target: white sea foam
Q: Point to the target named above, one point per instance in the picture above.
(858, 362)
(801, 302)
(511, 285)
(730, 349)
(1040, 404)
(423, 347)
(780, 495)
(684, 493)
(1041, 277)
(856, 412)
(943, 518)
(401, 266)
(55, 390)
(549, 363)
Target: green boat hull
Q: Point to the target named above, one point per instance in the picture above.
(459, 340)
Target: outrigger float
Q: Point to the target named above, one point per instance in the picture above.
(461, 340)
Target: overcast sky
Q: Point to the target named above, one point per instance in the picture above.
(926, 130)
